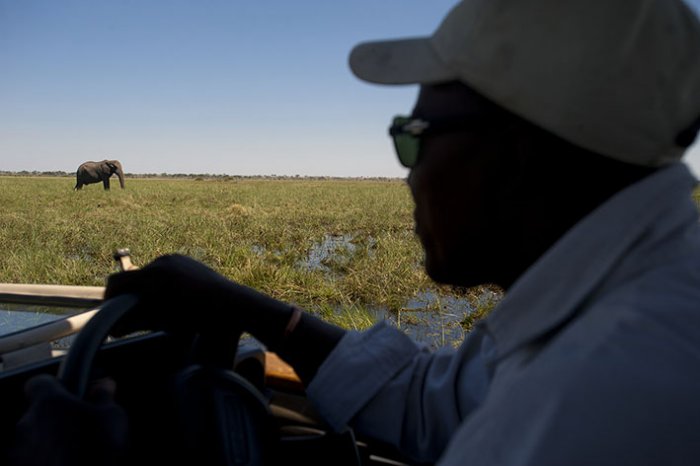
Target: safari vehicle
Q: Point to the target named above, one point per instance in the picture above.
(190, 397)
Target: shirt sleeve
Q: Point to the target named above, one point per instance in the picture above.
(388, 387)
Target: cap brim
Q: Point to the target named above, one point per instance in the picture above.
(405, 61)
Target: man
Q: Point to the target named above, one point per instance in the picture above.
(544, 152)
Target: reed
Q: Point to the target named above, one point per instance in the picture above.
(339, 248)
(344, 249)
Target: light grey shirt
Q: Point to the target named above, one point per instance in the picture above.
(592, 357)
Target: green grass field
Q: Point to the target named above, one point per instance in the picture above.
(344, 249)
(340, 248)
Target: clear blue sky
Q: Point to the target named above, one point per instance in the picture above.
(254, 87)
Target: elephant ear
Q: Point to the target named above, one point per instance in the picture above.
(111, 166)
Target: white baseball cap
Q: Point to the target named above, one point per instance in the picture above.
(617, 77)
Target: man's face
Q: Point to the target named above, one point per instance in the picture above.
(493, 195)
(463, 185)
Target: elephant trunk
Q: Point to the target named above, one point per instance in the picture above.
(120, 174)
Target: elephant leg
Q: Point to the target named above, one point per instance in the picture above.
(105, 183)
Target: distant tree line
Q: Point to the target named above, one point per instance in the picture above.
(199, 176)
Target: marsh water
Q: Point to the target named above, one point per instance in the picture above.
(16, 317)
(431, 318)
(418, 318)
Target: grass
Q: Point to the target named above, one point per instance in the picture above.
(261, 233)
(339, 248)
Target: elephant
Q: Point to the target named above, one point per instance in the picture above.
(94, 172)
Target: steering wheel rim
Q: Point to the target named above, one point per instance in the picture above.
(74, 371)
(223, 402)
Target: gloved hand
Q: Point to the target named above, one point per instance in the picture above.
(179, 293)
(60, 429)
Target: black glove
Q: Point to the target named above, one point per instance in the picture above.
(178, 293)
(60, 429)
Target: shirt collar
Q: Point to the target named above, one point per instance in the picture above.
(555, 286)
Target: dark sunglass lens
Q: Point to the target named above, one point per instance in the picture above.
(406, 149)
(406, 144)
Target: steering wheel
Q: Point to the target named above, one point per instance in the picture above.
(224, 419)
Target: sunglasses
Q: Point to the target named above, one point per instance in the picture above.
(407, 133)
